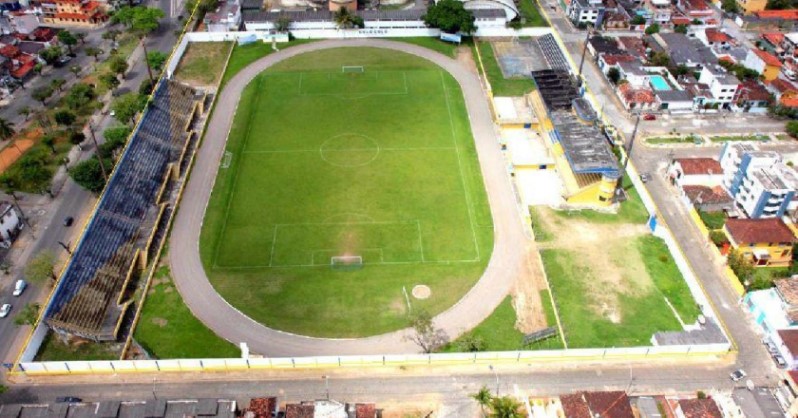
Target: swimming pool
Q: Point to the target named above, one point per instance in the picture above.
(658, 83)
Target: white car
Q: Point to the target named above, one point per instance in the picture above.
(4, 310)
(19, 287)
(737, 375)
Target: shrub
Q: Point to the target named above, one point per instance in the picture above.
(718, 237)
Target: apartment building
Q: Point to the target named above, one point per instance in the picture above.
(80, 13)
(722, 84)
(586, 12)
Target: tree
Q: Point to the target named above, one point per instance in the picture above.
(741, 266)
(111, 35)
(65, 118)
(145, 88)
(79, 96)
(778, 5)
(470, 344)
(614, 75)
(124, 15)
(652, 29)
(93, 52)
(730, 6)
(28, 315)
(118, 66)
(40, 268)
(110, 81)
(88, 174)
(680, 69)
(283, 23)
(660, 59)
(57, 84)
(115, 138)
(505, 407)
(41, 94)
(450, 16)
(37, 68)
(792, 128)
(680, 29)
(76, 137)
(49, 141)
(425, 334)
(638, 20)
(24, 111)
(51, 54)
(67, 38)
(145, 20)
(483, 398)
(6, 129)
(156, 59)
(127, 105)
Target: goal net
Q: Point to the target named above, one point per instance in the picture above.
(346, 262)
(352, 69)
(227, 159)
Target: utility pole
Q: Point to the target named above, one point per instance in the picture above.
(65, 247)
(490, 366)
(97, 152)
(584, 52)
(628, 149)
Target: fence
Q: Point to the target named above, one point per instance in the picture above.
(53, 368)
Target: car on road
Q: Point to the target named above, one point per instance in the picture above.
(779, 361)
(60, 62)
(649, 116)
(645, 177)
(69, 221)
(112, 113)
(4, 310)
(19, 287)
(737, 375)
(68, 399)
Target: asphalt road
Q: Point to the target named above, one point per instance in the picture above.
(72, 200)
(510, 243)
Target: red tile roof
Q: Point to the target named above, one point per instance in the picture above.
(789, 101)
(790, 339)
(639, 95)
(777, 14)
(752, 90)
(23, 70)
(788, 288)
(768, 58)
(714, 35)
(365, 410)
(713, 195)
(262, 407)
(612, 59)
(43, 34)
(695, 5)
(755, 231)
(78, 16)
(609, 404)
(794, 375)
(680, 20)
(9, 51)
(782, 86)
(774, 38)
(699, 408)
(727, 58)
(575, 406)
(699, 166)
(300, 410)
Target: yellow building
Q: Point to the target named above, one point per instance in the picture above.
(765, 242)
(751, 6)
(82, 13)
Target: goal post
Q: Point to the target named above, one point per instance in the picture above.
(352, 69)
(346, 262)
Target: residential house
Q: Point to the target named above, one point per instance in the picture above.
(633, 46)
(764, 63)
(10, 224)
(697, 408)
(658, 11)
(616, 17)
(752, 97)
(775, 308)
(676, 100)
(708, 199)
(226, 17)
(695, 172)
(772, 42)
(684, 50)
(712, 37)
(787, 339)
(634, 73)
(722, 85)
(598, 45)
(23, 21)
(607, 61)
(761, 185)
(597, 405)
(583, 12)
(764, 242)
(637, 98)
(80, 13)
(695, 9)
(255, 5)
(752, 6)
(790, 44)
(785, 93)
(19, 65)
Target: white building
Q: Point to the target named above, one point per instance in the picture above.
(634, 73)
(586, 11)
(761, 185)
(10, 224)
(695, 172)
(226, 17)
(722, 84)
(508, 6)
(659, 11)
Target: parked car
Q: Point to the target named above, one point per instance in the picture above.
(737, 375)
(4, 310)
(19, 287)
(649, 116)
(69, 221)
(780, 361)
(771, 347)
(645, 177)
(68, 399)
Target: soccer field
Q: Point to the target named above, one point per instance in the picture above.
(323, 163)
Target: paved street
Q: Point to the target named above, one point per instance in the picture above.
(72, 200)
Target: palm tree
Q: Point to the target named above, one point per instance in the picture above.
(6, 129)
(346, 19)
(505, 407)
(483, 398)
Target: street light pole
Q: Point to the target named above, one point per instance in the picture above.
(326, 385)
(619, 185)
(97, 152)
(490, 366)
(584, 52)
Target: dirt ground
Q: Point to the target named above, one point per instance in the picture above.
(608, 251)
(203, 63)
(466, 58)
(17, 147)
(526, 295)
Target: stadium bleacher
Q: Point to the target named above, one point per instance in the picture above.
(86, 300)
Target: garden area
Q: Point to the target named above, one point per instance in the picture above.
(739, 138)
(675, 140)
(203, 63)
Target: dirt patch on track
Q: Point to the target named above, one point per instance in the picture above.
(530, 316)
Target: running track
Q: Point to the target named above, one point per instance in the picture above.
(510, 243)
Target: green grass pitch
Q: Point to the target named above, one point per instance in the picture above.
(379, 164)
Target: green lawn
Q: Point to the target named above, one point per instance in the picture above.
(446, 48)
(641, 310)
(631, 211)
(688, 139)
(541, 233)
(167, 329)
(203, 63)
(763, 276)
(54, 349)
(712, 220)
(736, 138)
(530, 12)
(347, 175)
(497, 332)
(501, 86)
(247, 54)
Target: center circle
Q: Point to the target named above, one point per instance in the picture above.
(349, 150)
